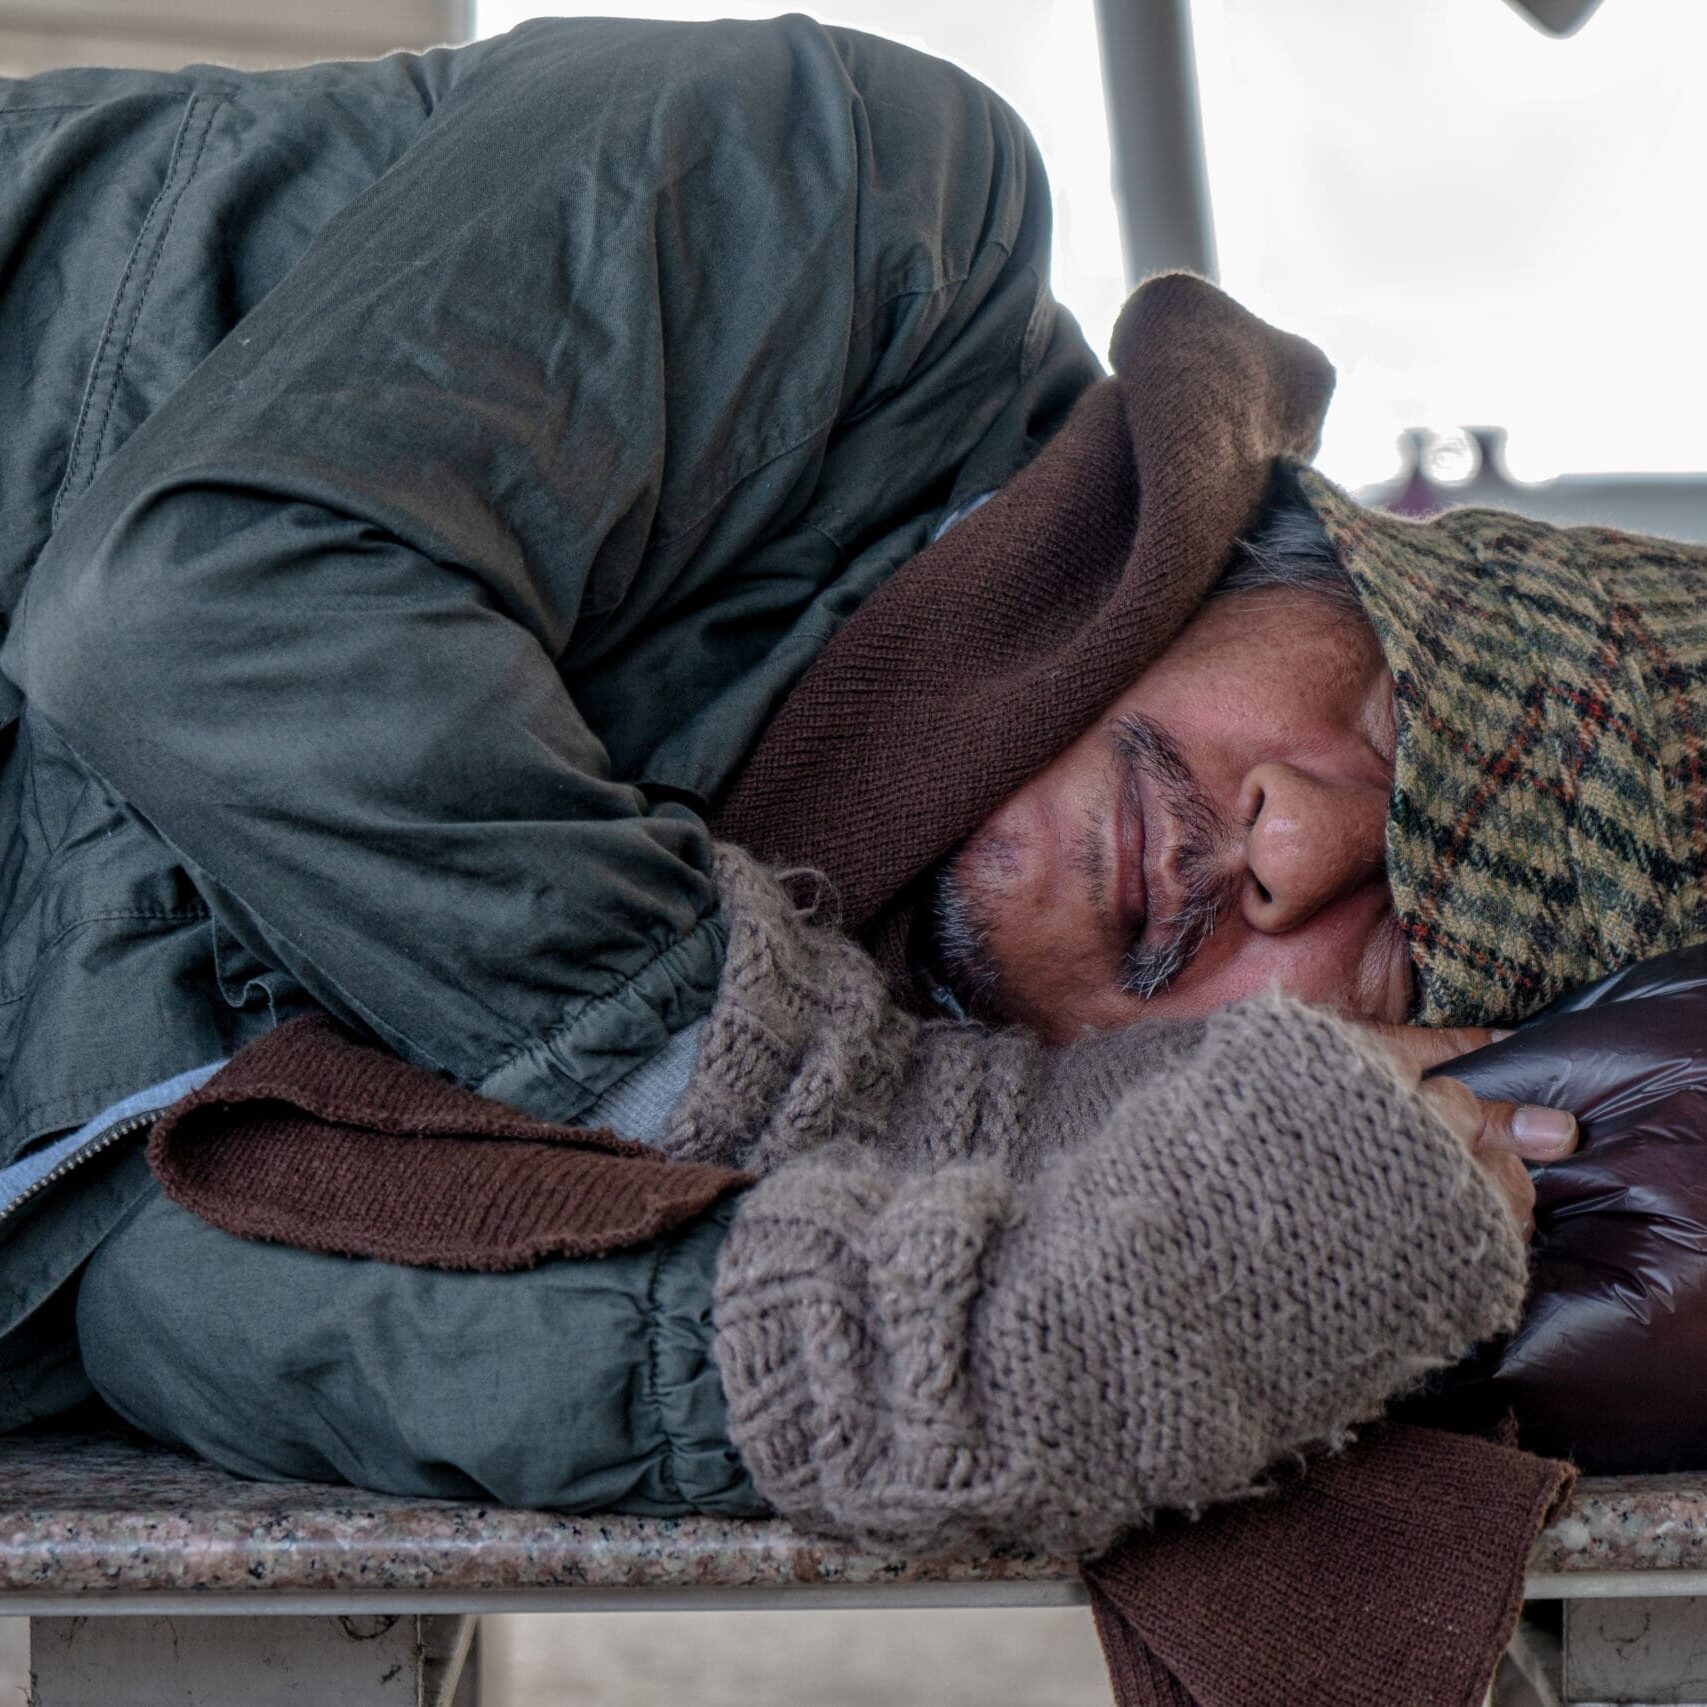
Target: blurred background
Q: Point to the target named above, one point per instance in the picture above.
(1487, 227)
(37, 35)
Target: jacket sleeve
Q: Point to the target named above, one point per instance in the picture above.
(574, 1386)
(652, 331)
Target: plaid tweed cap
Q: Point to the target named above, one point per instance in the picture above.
(1549, 813)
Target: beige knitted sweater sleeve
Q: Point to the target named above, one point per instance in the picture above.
(992, 1291)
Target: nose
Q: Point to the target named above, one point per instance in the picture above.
(1310, 841)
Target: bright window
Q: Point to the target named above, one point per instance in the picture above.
(1479, 223)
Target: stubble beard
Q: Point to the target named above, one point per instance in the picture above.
(966, 898)
(972, 884)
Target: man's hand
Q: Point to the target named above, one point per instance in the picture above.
(1502, 1136)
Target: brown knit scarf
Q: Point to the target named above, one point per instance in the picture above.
(1391, 1574)
(311, 1138)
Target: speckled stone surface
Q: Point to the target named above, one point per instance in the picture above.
(107, 1515)
(1629, 1523)
(100, 1514)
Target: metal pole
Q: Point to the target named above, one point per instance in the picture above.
(456, 20)
(1156, 135)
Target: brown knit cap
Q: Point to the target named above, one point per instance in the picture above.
(996, 646)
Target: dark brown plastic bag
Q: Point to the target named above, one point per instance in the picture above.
(1609, 1366)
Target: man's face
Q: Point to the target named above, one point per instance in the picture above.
(1218, 832)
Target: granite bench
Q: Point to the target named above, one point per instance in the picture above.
(150, 1579)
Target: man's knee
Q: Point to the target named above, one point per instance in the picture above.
(161, 1314)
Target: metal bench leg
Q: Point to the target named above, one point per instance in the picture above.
(450, 1665)
(350, 1661)
(1638, 1651)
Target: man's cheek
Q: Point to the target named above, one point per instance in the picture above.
(1056, 987)
(1319, 964)
(991, 867)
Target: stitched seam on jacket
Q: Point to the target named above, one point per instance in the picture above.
(108, 330)
(930, 289)
(829, 420)
(746, 474)
(33, 788)
(164, 210)
(157, 914)
(102, 1094)
(148, 282)
(53, 844)
(837, 519)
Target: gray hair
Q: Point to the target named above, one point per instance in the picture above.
(1288, 547)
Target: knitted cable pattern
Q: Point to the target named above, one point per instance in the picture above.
(805, 1046)
(990, 1292)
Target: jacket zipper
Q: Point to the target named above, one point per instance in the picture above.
(103, 1140)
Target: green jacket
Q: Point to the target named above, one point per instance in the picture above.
(421, 482)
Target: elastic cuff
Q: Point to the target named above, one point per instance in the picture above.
(702, 1466)
(608, 1037)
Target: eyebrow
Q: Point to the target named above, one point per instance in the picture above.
(1147, 970)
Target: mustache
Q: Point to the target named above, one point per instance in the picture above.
(1147, 751)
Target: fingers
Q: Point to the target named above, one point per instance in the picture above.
(1536, 1134)
(1420, 1047)
(1501, 1137)
(1509, 1175)
(1524, 1130)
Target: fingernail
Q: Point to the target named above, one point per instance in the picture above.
(1498, 1036)
(1543, 1128)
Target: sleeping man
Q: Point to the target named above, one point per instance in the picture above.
(594, 561)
